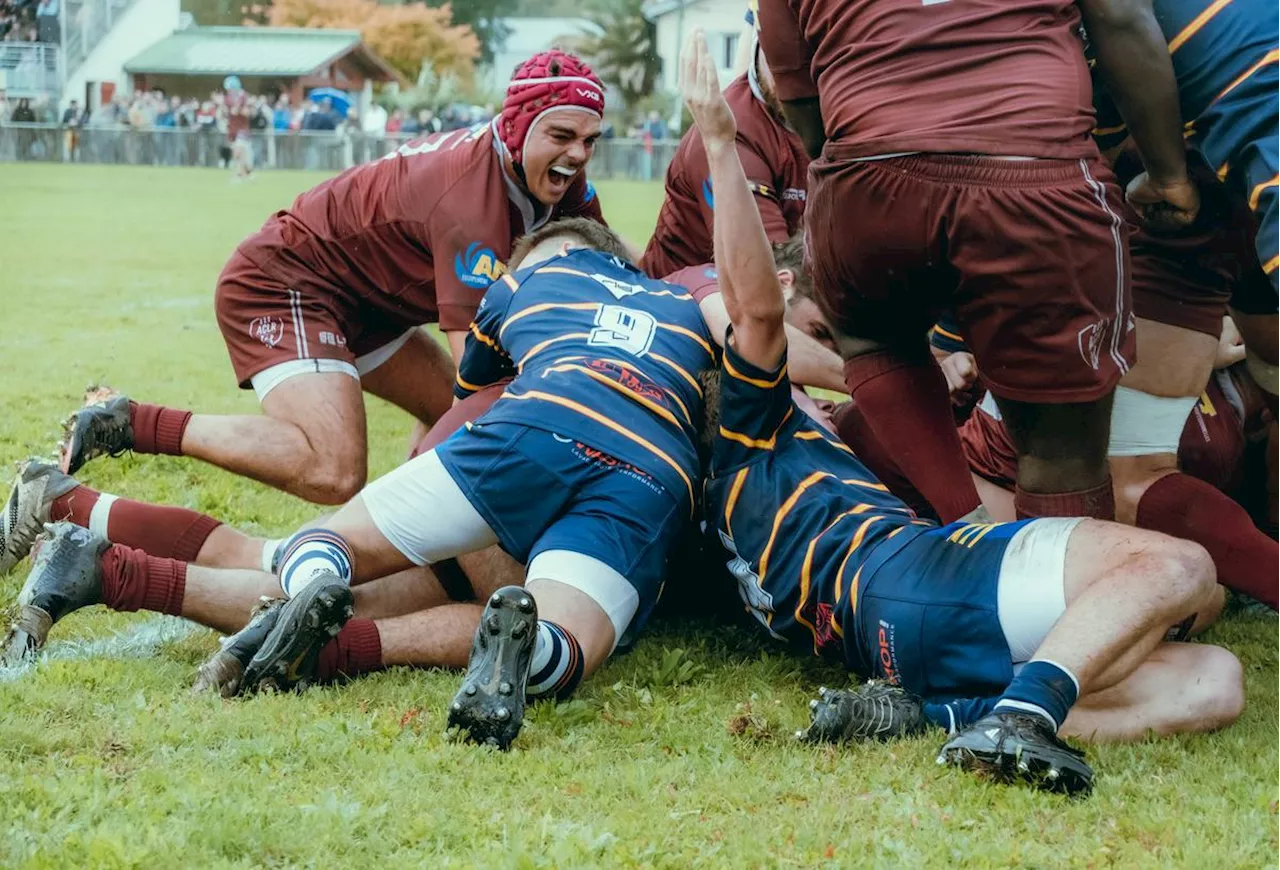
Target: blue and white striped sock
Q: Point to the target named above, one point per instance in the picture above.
(310, 554)
(557, 663)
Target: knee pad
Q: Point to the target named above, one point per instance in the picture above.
(311, 554)
(1142, 424)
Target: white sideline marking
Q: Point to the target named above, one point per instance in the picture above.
(139, 641)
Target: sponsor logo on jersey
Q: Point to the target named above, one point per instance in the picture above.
(711, 273)
(707, 196)
(1090, 340)
(478, 267)
(628, 379)
(590, 193)
(619, 289)
(888, 654)
(794, 194)
(822, 619)
(268, 330)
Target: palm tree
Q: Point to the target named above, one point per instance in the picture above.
(625, 54)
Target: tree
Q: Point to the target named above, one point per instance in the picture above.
(484, 17)
(404, 36)
(625, 55)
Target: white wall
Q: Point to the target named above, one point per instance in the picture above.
(146, 22)
(721, 20)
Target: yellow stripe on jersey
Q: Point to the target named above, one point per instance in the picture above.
(636, 397)
(810, 435)
(672, 364)
(978, 537)
(1102, 131)
(1256, 193)
(470, 387)
(543, 345)
(878, 487)
(561, 270)
(970, 533)
(947, 333)
(755, 382)
(1196, 24)
(1224, 170)
(734, 491)
(631, 365)
(547, 306)
(1270, 57)
(782, 515)
(756, 443)
(1270, 265)
(510, 282)
(688, 333)
(484, 339)
(616, 427)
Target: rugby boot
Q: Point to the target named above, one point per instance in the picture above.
(1009, 746)
(290, 651)
(224, 669)
(66, 576)
(873, 711)
(26, 510)
(100, 429)
(489, 708)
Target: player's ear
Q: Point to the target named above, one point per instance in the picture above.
(787, 278)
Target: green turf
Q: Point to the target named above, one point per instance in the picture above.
(678, 755)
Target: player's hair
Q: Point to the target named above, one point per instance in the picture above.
(592, 234)
(790, 255)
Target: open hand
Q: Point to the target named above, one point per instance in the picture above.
(700, 87)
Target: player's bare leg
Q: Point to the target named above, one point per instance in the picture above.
(1180, 688)
(417, 378)
(1123, 589)
(1062, 457)
(1174, 366)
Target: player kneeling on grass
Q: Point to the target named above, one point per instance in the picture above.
(584, 470)
(1053, 625)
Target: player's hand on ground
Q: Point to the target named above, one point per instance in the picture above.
(700, 87)
(1230, 345)
(1164, 206)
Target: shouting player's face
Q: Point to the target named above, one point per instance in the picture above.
(558, 148)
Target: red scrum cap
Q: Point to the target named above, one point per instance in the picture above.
(548, 81)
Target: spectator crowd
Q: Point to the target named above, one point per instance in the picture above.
(30, 20)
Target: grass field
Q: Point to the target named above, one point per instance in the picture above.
(677, 755)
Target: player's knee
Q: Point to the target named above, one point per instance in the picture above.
(1219, 680)
(334, 482)
(1187, 573)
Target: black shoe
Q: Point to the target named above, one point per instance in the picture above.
(490, 705)
(100, 429)
(288, 654)
(66, 576)
(27, 509)
(1009, 746)
(873, 711)
(222, 672)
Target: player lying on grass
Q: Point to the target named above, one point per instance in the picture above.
(584, 470)
(326, 300)
(1059, 624)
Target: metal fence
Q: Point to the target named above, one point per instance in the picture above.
(30, 69)
(53, 143)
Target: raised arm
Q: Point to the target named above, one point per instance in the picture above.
(748, 278)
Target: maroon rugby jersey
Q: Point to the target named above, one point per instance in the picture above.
(419, 234)
(1004, 77)
(775, 163)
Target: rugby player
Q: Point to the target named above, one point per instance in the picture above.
(954, 141)
(597, 426)
(1053, 624)
(326, 300)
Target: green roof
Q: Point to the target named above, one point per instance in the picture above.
(251, 51)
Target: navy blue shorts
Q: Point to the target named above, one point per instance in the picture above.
(928, 616)
(540, 491)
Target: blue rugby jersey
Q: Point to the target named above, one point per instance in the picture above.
(794, 508)
(601, 353)
(1224, 56)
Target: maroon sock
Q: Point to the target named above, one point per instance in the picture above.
(1185, 507)
(74, 506)
(132, 580)
(1099, 503)
(157, 429)
(357, 649)
(905, 402)
(160, 530)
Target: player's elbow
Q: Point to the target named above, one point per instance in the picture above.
(1116, 15)
(760, 316)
